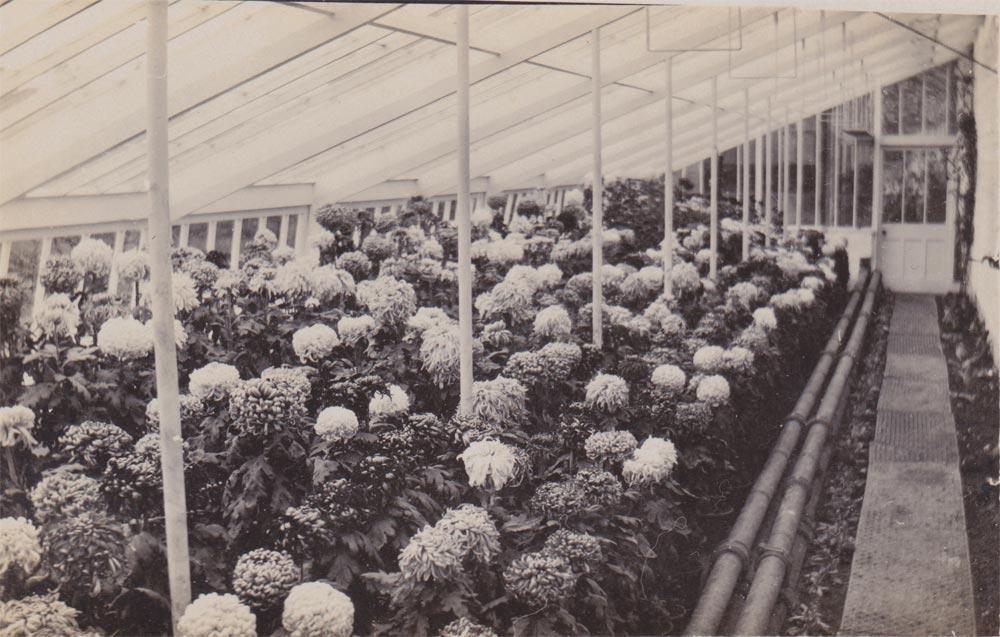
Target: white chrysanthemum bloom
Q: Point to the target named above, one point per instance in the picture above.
(828, 272)
(329, 282)
(124, 338)
(57, 315)
(553, 322)
(262, 577)
(764, 318)
(806, 296)
(395, 402)
(389, 301)
(813, 283)
(440, 353)
(16, 425)
(829, 248)
(521, 224)
(609, 445)
(515, 298)
(743, 294)
(792, 263)
(650, 463)
(684, 277)
(354, 328)
(180, 334)
(183, 289)
(703, 256)
(659, 314)
(481, 218)
(215, 615)
(788, 300)
(322, 238)
(132, 265)
(549, 275)
(431, 249)
(611, 237)
(336, 424)
(713, 390)
(737, 359)
(315, 342)
(607, 392)
(428, 317)
(573, 198)
(291, 279)
(652, 276)
(214, 380)
(478, 249)
(490, 464)
(525, 275)
(283, 254)
(19, 545)
(472, 529)
(696, 239)
(612, 274)
(708, 359)
(431, 554)
(504, 251)
(92, 256)
(498, 401)
(669, 377)
(264, 235)
(316, 609)
(730, 225)
(639, 325)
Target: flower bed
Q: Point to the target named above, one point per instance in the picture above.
(331, 487)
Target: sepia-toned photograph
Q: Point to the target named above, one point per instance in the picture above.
(499, 319)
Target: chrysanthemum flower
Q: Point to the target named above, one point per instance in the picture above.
(94, 443)
(390, 301)
(63, 494)
(329, 282)
(215, 615)
(607, 392)
(540, 579)
(19, 545)
(472, 529)
(440, 353)
(395, 402)
(314, 343)
(738, 359)
(354, 328)
(609, 446)
(650, 463)
(92, 256)
(669, 378)
(16, 424)
(765, 318)
(336, 424)
(428, 317)
(262, 578)
(708, 359)
(490, 464)
(431, 554)
(553, 322)
(498, 401)
(214, 380)
(465, 627)
(713, 390)
(57, 315)
(39, 616)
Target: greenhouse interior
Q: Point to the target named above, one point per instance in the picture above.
(333, 319)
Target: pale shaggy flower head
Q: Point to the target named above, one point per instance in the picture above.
(481, 218)
(428, 317)
(316, 608)
(291, 279)
(19, 545)
(180, 334)
(336, 424)
(669, 377)
(553, 322)
(471, 528)
(132, 265)
(431, 554)
(395, 402)
(57, 315)
(684, 277)
(124, 339)
(813, 283)
(607, 392)
(215, 615)
(713, 390)
(390, 301)
(764, 318)
(650, 463)
(549, 275)
(440, 353)
(329, 282)
(354, 328)
(214, 380)
(92, 256)
(490, 464)
(708, 359)
(315, 342)
(183, 290)
(16, 424)
(738, 359)
(609, 445)
(498, 401)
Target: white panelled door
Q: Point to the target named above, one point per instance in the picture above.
(917, 242)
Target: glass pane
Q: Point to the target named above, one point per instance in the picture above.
(865, 179)
(937, 185)
(935, 99)
(809, 172)
(892, 186)
(224, 237)
(911, 101)
(952, 99)
(845, 201)
(890, 110)
(106, 237)
(293, 227)
(131, 240)
(831, 154)
(913, 187)
(249, 230)
(62, 246)
(198, 236)
(274, 224)
(24, 257)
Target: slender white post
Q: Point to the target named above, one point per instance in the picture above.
(820, 219)
(758, 175)
(113, 275)
(768, 170)
(283, 231)
(787, 169)
(235, 247)
(213, 227)
(174, 504)
(43, 257)
(745, 253)
(713, 263)
(739, 172)
(5, 257)
(800, 143)
(464, 222)
(701, 176)
(877, 177)
(835, 214)
(597, 228)
(779, 152)
(668, 187)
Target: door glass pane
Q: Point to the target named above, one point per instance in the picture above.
(865, 178)
(935, 98)
(131, 241)
(953, 99)
(911, 100)
(198, 236)
(224, 237)
(913, 187)
(845, 200)
(24, 257)
(892, 186)
(293, 226)
(248, 232)
(890, 110)
(809, 173)
(937, 185)
(274, 224)
(101, 285)
(62, 246)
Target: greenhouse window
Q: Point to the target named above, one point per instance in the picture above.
(922, 105)
(198, 236)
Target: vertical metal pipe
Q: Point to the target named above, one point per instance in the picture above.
(464, 221)
(767, 178)
(877, 177)
(835, 214)
(800, 145)
(758, 175)
(786, 204)
(167, 393)
(597, 229)
(820, 219)
(739, 172)
(745, 253)
(668, 186)
(713, 263)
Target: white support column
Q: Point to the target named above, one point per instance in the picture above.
(800, 144)
(779, 152)
(758, 175)
(768, 170)
(835, 214)
(877, 177)
(668, 185)
(116, 250)
(167, 393)
(739, 172)
(5, 257)
(302, 233)
(43, 256)
(854, 187)
(713, 228)
(213, 227)
(283, 231)
(820, 220)
(745, 252)
(786, 203)
(234, 253)
(597, 227)
(701, 176)
(464, 219)
(182, 240)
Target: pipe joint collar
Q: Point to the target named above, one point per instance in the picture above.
(765, 551)
(737, 548)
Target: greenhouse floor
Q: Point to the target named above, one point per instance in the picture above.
(911, 572)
